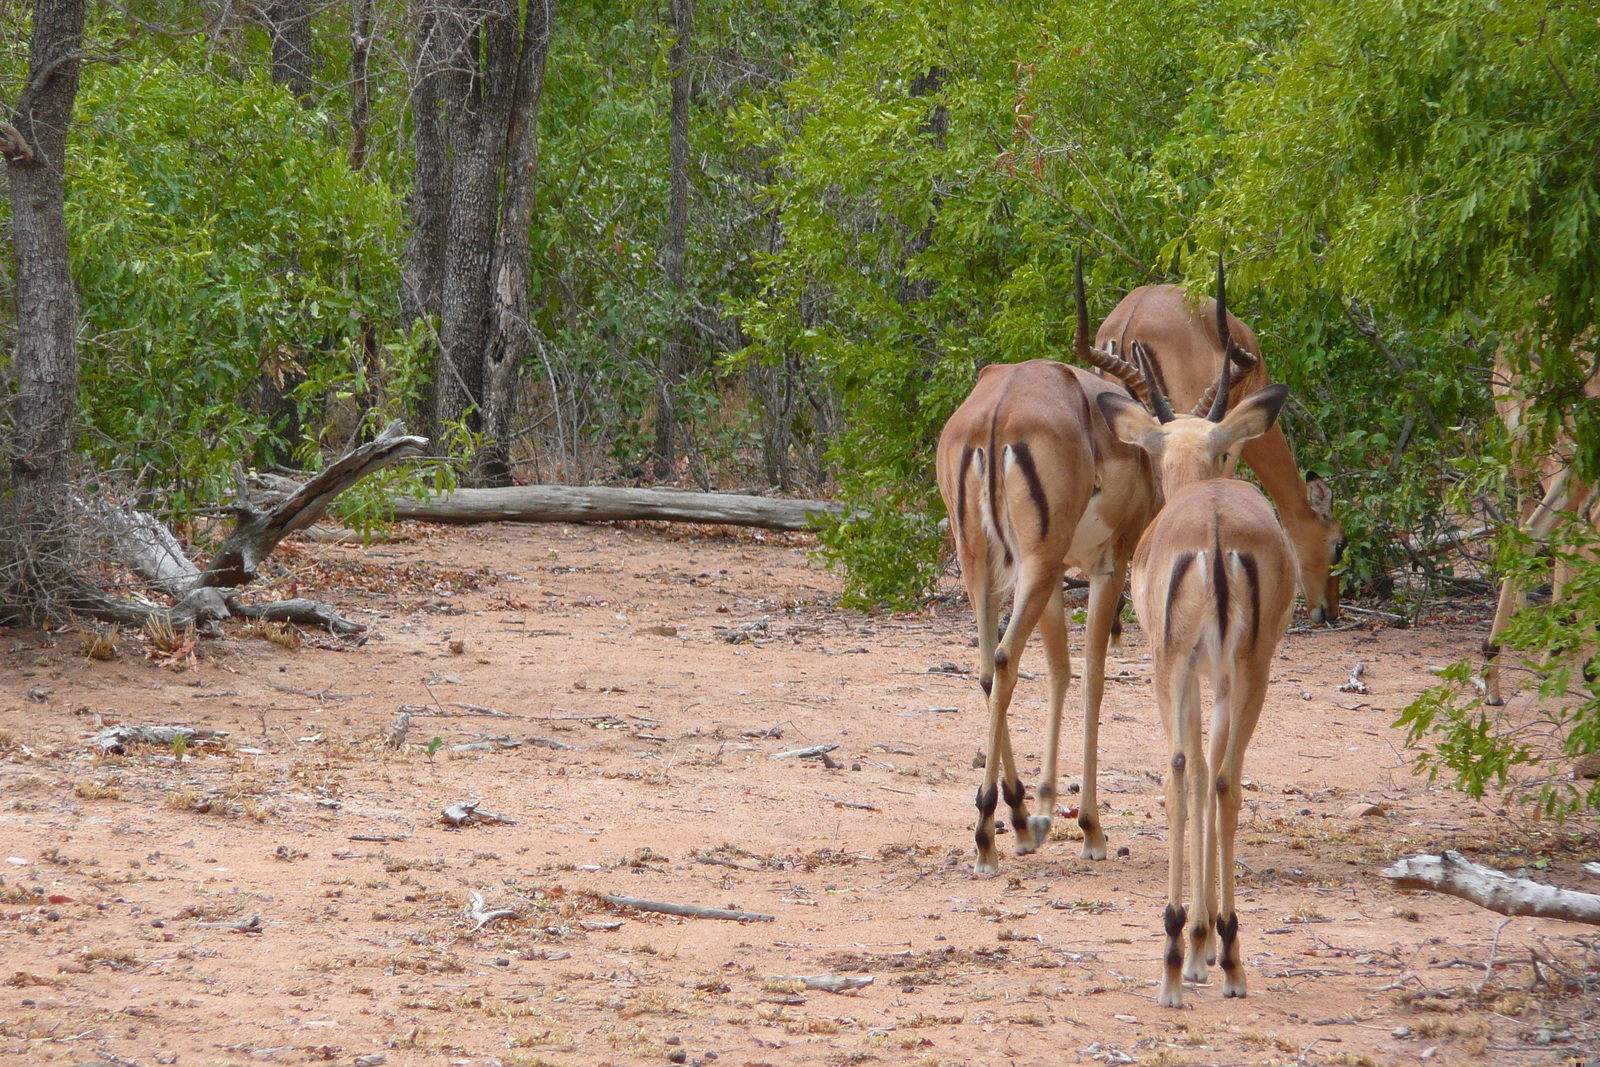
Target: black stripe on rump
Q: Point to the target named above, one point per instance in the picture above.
(961, 492)
(1219, 578)
(994, 489)
(1180, 567)
(1024, 456)
(1253, 576)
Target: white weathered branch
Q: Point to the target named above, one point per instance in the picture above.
(1486, 887)
(568, 503)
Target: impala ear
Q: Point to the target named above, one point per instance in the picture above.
(1320, 496)
(1130, 422)
(1251, 417)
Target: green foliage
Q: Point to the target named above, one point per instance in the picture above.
(220, 242)
(1480, 747)
(934, 175)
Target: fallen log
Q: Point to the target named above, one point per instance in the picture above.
(256, 533)
(116, 739)
(299, 611)
(1486, 887)
(688, 911)
(828, 983)
(566, 503)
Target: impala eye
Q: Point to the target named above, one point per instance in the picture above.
(1338, 549)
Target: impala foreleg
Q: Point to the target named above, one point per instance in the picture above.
(1105, 599)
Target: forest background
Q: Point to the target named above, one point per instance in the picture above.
(742, 244)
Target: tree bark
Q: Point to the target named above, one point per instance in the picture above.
(564, 503)
(479, 79)
(360, 84)
(429, 204)
(511, 336)
(1486, 887)
(675, 349)
(35, 143)
(293, 62)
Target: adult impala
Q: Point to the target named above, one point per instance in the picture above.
(1185, 350)
(1213, 585)
(1564, 497)
(1034, 482)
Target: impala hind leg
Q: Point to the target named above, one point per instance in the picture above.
(1185, 763)
(1037, 592)
(1538, 522)
(1053, 635)
(1105, 598)
(1229, 765)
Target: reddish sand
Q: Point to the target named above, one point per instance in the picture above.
(638, 667)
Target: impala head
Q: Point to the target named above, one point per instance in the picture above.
(1205, 443)
(1191, 448)
(1320, 584)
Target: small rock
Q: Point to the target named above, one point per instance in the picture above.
(855, 766)
(1542, 1036)
(1429, 1053)
(1305, 694)
(53, 916)
(674, 1040)
(158, 924)
(1363, 810)
(1122, 851)
(1400, 1032)
(678, 1055)
(502, 962)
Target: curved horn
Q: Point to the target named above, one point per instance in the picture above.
(1158, 403)
(1219, 405)
(1118, 368)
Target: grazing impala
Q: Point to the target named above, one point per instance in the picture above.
(1033, 482)
(1565, 496)
(1213, 585)
(1185, 351)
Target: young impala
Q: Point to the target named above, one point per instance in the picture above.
(1213, 586)
(1034, 482)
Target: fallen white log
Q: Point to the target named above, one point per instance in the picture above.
(1486, 887)
(569, 503)
(115, 739)
(828, 983)
(1449, 539)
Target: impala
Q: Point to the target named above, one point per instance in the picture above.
(1034, 482)
(1185, 351)
(1213, 586)
(1565, 496)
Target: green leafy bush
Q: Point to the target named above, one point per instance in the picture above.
(220, 244)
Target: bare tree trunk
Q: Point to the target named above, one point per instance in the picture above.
(674, 351)
(35, 145)
(360, 86)
(512, 328)
(293, 63)
(423, 269)
(479, 84)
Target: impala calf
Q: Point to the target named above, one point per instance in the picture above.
(1213, 585)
